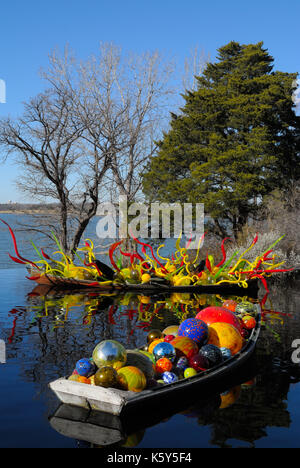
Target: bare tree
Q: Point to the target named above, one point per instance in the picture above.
(122, 102)
(88, 137)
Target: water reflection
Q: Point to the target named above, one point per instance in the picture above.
(53, 330)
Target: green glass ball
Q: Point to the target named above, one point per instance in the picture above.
(106, 377)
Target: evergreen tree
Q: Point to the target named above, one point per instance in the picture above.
(236, 139)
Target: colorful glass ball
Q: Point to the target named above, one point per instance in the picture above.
(106, 377)
(169, 338)
(182, 363)
(85, 367)
(185, 346)
(171, 330)
(212, 354)
(195, 329)
(154, 343)
(131, 378)
(154, 335)
(136, 359)
(169, 377)
(214, 314)
(79, 378)
(249, 322)
(199, 362)
(109, 353)
(163, 365)
(189, 372)
(224, 335)
(245, 308)
(230, 304)
(226, 353)
(245, 333)
(146, 353)
(164, 350)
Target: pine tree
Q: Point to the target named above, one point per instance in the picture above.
(236, 139)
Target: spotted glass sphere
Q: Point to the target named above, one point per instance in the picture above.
(182, 363)
(226, 353)
(169, 377)
(109, 353)
(212, 353)
(154, 335)
(245, 308)
(164, 350)
(106, 377)
(195, 329)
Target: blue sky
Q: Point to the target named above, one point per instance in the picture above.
(30, 30)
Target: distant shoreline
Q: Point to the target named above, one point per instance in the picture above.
(25, 212)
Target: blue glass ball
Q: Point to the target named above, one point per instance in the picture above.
(226, 353)
(195, 329)
(169, 377)
(182, 363)
(164, 350)
(85, 367)
(212, 353)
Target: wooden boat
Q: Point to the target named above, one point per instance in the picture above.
(117, 402)
(151, 287)
(104, 429)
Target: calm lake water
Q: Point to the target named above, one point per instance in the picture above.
(45, 334)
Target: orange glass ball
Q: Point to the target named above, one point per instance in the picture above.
(230, 304)
(225, 335)
(163, 365)
(249, 322)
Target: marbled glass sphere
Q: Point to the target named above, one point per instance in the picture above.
(169, 377)
(182, 363)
